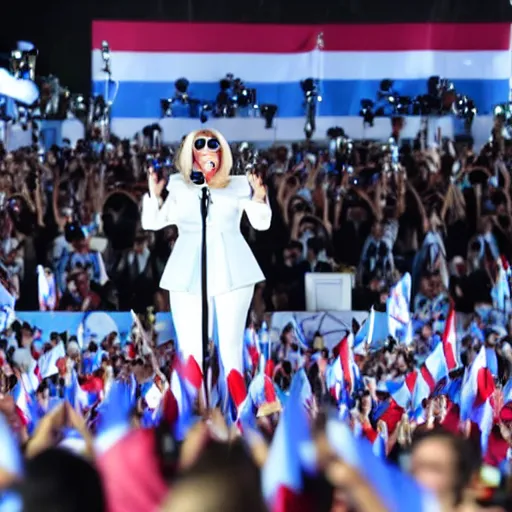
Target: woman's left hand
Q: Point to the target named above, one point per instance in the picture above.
(258, 188)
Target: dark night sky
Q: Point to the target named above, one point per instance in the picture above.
(61, 28)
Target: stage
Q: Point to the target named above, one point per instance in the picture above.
(52, 132)
(284, 130)
(288, 130)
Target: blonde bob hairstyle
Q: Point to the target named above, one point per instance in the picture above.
(184, 160)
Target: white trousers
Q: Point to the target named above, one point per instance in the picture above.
(231, 315)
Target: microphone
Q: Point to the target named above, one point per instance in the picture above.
(197, 178)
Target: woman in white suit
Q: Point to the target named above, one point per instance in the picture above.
(232, 270)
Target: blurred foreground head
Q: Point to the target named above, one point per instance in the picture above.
(224, 479)
(445, 463)
(59, 481)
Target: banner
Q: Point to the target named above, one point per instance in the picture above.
(349, 61)
(94, 326)
(331, 326)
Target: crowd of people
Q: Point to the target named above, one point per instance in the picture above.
(76, 213)
(431, 230)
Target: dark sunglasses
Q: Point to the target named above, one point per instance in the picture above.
(202, 142)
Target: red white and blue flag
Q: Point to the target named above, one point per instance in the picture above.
(349, 61)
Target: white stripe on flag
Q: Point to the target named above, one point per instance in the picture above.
(293, 67)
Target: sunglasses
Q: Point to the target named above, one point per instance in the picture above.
(202, 142)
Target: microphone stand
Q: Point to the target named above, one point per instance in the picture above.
(205, 203)
(105, 125)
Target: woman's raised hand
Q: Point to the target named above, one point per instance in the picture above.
(155, 185)
(258, 188)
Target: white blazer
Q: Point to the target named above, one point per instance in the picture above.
(230, 262)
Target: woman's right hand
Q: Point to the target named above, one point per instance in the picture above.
(155, 185)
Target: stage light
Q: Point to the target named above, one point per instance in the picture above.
(335, 132)
(308, 87)
(386, 92)
(23, 61)
(268, 112)
(181, 86)
(105, 51)
(242, 96)
(79, 107)
(340, 146)
(309, 128)
(166, 107)
(367, 112)
(224, 84)
(465, 108)
(440, 96)
(205, 109)
(233, 94)
(386, 86)
(311, 96)
(499, 111)
(403, 105)
(105, 55)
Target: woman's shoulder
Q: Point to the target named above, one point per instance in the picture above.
(239, 185)
(175, 180)
(178, 186)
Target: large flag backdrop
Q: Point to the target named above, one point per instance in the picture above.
(147, 58)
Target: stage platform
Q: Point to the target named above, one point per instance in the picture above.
(52, 132)
(284, 130)
(292, 129)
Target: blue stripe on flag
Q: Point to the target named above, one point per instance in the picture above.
(340, 97)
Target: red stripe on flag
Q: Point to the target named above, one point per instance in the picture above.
(410, 380)
(431, 383)
(37, 373)
(345, 361)
(392, 415)
(504, 262)
(265, 38)
(254, 355)
(485, 386)
(287, 500)
(170, 408)
(449, 340)
(270, 369)
(451, 421)
(369, 432)
(191, 372)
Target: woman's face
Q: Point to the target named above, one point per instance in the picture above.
(82, 284)
(207, 154)
(366, 404)
(288, 337)
(426, 287)
(401, 363)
